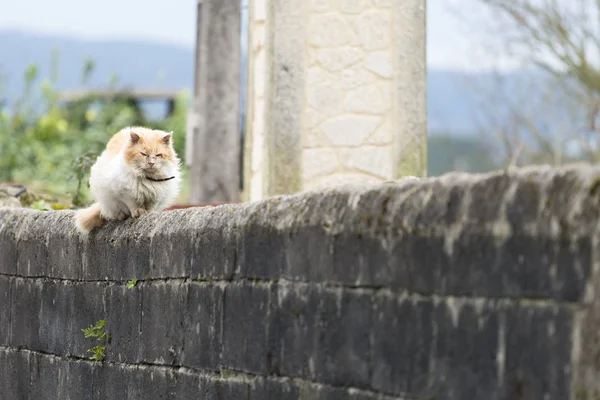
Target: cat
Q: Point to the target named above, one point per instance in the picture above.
(138, 172)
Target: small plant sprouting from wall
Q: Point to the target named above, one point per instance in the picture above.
(131, 283)
(97, 331)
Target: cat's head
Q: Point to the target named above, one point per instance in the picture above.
(150, 151)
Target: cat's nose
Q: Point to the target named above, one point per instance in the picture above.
(150, 163)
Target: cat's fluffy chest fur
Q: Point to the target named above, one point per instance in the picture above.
(137, 173)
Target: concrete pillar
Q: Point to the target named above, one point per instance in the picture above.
(336, 93)
(213, 137)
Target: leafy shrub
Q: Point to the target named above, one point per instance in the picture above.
(50, 146)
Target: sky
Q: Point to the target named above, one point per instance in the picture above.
(454, 27)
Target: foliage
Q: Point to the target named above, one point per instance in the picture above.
(81, 166)
(97, 331)
(41, 205)
(131, 283)
(558, 38)
(49, 144)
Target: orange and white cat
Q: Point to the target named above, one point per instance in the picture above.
(138, 172)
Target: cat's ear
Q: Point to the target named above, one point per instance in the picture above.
(134, 137)
(167, 138)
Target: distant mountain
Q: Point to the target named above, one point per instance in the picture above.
(136, 63)
(452, 98)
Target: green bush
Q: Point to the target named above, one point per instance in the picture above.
(50, 146)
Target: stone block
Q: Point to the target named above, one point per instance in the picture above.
(374, 29)
(6, 288)
(371, 160)
(48, 377)
(117, 251)
(245, 319)
(530, 368)
(261, 251)
(15, 374)
(32, 250)
(342, 346)
(26, 299)
(162, 322)
(87, 307)
(124, 323)
(203, 327)
(366, 99)
(274, 389)
(293, 330)
(347, 130)
(318, 162)
(8, 244)
(54, 312)
(64, 248)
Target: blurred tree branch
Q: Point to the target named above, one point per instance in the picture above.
(561, 37)
(556, 109)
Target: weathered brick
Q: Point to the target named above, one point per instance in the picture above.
(525, 264)
(261, 251)
(149, 383)
(401, 355)
(6, 310)
(48, 378)
(321, 392)
(455, 205)
(118, 381)
(465, 349)
(417, 263)
(32, 251)
(245, 319)
(162, 333)
(123, 323)
(182, 385)
(8, 244)
(518, 266)
(87, 307)
(64, 249)
(472, 268)
(55, 313)
(116, 253)
(85, 380)
(15, 382)
(293, 329)
(203, 326)
(342, 355)
(574, 263)
(526, 203)
(225, 389)
(26, 300)
(308, 254)
(214, 254)
(486, 198)
(272, 389)
(354, 255)
(559, 195)
(321, 335)
(531, 369)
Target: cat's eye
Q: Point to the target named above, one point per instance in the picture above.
(144, 154)
(159, 155)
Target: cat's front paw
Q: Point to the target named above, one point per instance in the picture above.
(122, 216)
(138, 212)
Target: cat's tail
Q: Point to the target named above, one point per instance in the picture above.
(89, 218)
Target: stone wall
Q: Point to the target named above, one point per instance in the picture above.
(463, 287)
(336, 93)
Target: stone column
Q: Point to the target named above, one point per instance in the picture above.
(336, 93)
(213, 133)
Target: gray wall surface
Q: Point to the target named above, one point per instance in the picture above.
(462, 287)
